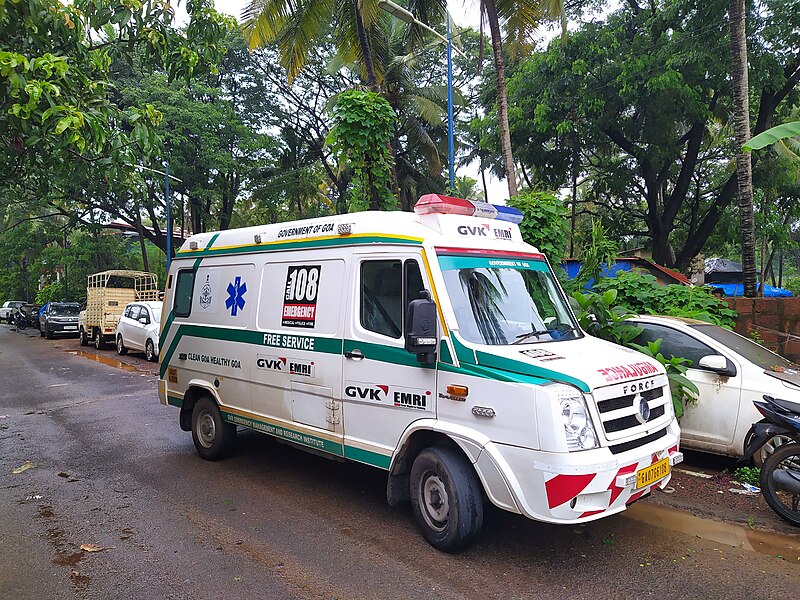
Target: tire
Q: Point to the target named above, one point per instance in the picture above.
(84, 339)
(99, 343)
(213, 438)
(785, 461)
(47, 334)
(121, 349)
(150, 351)
(42, 334)
(446, 498)
(769, 447)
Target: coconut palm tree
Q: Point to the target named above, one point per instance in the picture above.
(519, 18)
(298, 25)
(741, 128)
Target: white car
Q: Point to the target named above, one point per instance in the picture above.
(730, 372)
(8, 308)
(138, 329)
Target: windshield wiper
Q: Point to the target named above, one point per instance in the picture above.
(524, 336)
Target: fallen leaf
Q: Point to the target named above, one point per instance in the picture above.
(23, 467)
(94, 548)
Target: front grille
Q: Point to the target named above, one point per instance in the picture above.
(631, 420)
(625, 401)
(620, 416)
(624, 447)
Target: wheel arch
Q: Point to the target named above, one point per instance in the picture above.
(195, 391)
(424, 434)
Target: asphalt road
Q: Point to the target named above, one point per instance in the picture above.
(113, 469)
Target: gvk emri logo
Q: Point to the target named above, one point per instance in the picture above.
(236, 291)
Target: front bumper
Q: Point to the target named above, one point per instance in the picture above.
(62, 327)
(574, 487)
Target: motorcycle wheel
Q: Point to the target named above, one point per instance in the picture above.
(780, 482)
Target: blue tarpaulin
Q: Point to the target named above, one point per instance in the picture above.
(737, 289)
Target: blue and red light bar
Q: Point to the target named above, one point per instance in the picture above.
(447, 205)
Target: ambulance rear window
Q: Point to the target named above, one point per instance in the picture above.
(183, 293)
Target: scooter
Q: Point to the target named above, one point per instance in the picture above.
(780, 473)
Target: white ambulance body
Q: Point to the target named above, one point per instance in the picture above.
(318, 332)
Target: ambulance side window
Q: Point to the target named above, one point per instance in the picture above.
(183, 293)
(382, 297)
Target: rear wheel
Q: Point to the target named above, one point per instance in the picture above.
(121, 349)
(99, 343)
(150, 351)
(84, 339)
(446, 498)
(213, 438)
(780, 482)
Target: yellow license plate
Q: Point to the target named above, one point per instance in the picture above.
(651, 474)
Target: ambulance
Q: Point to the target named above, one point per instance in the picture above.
(435, 345)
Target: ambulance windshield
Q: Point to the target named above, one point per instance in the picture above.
(506, 300)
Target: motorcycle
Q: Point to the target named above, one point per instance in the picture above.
(780, 473)
(21, 321)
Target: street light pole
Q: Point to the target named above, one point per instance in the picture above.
(169, 214)
(407, 17)
(450, 133)
(167, 177)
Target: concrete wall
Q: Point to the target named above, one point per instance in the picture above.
(770, 318)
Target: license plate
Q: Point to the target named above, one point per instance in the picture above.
(653, 473)
(75, 327)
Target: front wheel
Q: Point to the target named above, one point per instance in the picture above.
(446, 498)
(213, 438)
(780, 482)
(150, 351)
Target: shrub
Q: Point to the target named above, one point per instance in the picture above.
(641, 294)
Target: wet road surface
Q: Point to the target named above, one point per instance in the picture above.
(113, 469)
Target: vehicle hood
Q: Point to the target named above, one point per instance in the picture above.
(787, 375)
(587, 363)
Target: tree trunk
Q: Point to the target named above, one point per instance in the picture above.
(502, 99)
(369, 67)
(140, 231)
(744, 171)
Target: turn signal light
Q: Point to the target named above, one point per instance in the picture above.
(458, 390)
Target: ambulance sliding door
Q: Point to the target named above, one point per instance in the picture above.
(297, 375)
(385, 388)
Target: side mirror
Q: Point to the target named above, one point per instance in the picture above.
(717, 363)
(421, 330)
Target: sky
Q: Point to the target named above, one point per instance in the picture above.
(464, 13)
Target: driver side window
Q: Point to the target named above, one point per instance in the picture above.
(387, 286)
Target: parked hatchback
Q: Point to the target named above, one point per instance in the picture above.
(138, 329)
(730, 372)
(59, 318)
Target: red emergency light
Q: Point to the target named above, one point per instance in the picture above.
(447, 205)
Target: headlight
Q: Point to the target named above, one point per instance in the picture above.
(578, 426)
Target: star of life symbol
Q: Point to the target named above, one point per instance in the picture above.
(236, 291)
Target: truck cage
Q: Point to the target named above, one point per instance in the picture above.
(145, 284)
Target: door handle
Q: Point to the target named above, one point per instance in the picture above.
(354, 354)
